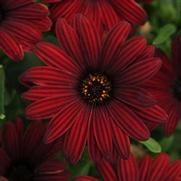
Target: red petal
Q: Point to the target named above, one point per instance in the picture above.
(10, 46)
(65, 9)
(145, 168)
(173, 119)
(85, 178)
(11, 4)
(127, 169)
(114, 40)
(128, 121)
(107, 14)
(63, 121)
(33, 137)
(4, 160)
(131, 11)
(39, 92)
(129, 53)
(10, 140)
(90, 40)
(26, 34)
(121, 141)
(174, 171)
(55, 57)
(135, 97)
(159, 167)
(148, 52)
(33, 11)
(154, 114)
(139, 72)
(106, 170)
(76, 138)
(47, 75)
(47, 107)
(93, 149)
(69, 40)
(52, 167)
(102, 131)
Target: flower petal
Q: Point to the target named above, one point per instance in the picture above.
(128, 121)
(106, 170)
(129, 53)
(55, 57)
(89, 39)
(69, 40)
(47, 107)
(76, 138)
(102, 131)
(10, 46)
(10, 140)
(127, 169)
(114, 40)
(47, 75)
(121, 141)
(140, 72)
(159, 165)
(130, 11)
(63, 121)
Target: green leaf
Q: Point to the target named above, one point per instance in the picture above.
(152, 145)
(85, 170)
(167, 142)
(165, 33)
(2, 82)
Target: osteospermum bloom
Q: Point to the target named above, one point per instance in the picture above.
(24, 156)
(106, 13)
(21, 25)
(166, 86)
(91, 88)
(146, 169)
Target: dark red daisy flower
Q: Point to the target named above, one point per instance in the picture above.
(21, 25)
(91, 88)
(166, 86)
(24, 156)
(147, 169)
(106, 13)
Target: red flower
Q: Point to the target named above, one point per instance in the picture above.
(147, 169)
(91, 89)
(21, 25)
(106, 13)
(24, 157)
(166, 86)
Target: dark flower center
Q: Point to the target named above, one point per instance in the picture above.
(20, 171)
(177, 89)
(96, 88)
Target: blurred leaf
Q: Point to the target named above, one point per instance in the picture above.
(2, 85)
(164, 34)
(178, 8)
(85, 170)
(152, 145)
(167, 142)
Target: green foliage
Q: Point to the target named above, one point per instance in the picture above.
(2, 92)
(152, 145)
(165, 34)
